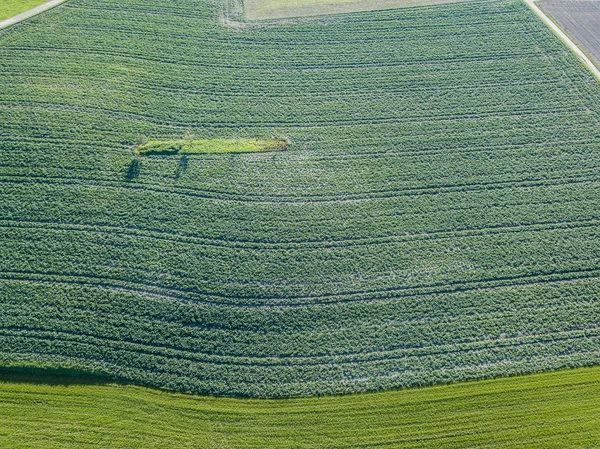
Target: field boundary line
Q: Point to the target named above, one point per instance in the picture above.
(30, 13)
(564, 37)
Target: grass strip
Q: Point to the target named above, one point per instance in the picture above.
(206, 146)
(10, 8)
(551, 409)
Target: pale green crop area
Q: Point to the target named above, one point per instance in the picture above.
(558, 409)
(208, 146)
(10, 8)
(279, 9)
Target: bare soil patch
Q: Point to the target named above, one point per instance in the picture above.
(581, 20)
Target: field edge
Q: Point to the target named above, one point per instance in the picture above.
(530, 410)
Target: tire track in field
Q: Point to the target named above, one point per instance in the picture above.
(351, 122)
(320, 94)
(115, 322)
(302, 244)
(8, 178)
(173, 353)
(391, 37)
(400, 317)
(385, 294)
(384, 151)
(278, 68)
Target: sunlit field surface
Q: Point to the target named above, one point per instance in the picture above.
(10, 8)
(434, 218)
(557, 409)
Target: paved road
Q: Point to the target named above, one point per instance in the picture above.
(30, 13)
(566, 39)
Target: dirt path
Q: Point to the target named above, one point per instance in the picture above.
(32, 12)
(565, 38)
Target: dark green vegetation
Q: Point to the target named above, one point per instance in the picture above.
(435, 220)
(205, 146)
(539, 411)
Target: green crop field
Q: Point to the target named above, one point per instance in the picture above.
(10, 8)
(547, 410)
(436, 217)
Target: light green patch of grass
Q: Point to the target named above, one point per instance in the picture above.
(10, 8)
(557, 409)
(206, 146)
(279, 9)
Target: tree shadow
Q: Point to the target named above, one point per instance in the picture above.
(133, 170)
(57, 376)
(182, 167)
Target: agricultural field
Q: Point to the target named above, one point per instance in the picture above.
(433, 219)
(10, 8)
(279, 9)
(581, 20)
(558, 409)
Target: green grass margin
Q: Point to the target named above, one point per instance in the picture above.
(10, 8)
(210, 146)
(553, 409)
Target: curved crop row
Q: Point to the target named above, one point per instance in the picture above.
(434, 218)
